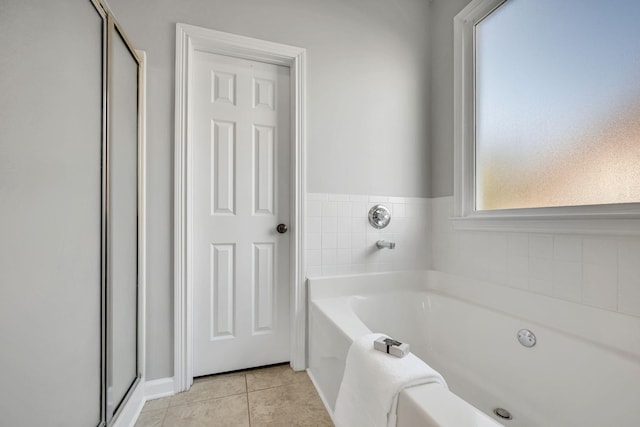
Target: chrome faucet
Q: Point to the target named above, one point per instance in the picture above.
(384, 244)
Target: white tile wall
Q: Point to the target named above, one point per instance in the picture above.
(597, 271)
(339, 239)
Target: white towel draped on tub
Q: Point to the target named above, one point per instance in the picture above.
(373, 380)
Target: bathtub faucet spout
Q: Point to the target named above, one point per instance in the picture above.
(384, 244)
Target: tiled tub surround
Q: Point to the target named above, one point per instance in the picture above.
(340, 240)
(599, 271)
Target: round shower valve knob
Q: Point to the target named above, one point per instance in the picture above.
(379, 216)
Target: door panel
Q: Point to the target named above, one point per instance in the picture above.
(240, 193)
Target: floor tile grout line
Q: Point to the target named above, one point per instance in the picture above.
(166, 411)
(246, 389)
(206, 400)
(274, 386)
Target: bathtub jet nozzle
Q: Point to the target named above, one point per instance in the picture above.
(384, 244)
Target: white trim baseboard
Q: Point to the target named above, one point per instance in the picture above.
(132, 409)
(190, 38)
(162, 387)
(145, 391)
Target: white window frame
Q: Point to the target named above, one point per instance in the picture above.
(616, 219)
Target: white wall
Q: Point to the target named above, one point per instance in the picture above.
(368, 107)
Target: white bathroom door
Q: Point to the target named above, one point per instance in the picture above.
(240, 194)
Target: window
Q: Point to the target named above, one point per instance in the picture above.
(548, 108)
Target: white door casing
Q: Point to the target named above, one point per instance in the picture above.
(240, 194)
(190, 39)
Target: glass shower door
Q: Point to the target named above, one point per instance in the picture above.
(122, 222)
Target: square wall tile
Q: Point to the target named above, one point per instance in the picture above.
(600, 251)
(567, 248)
(344, 225)
(359, 225)
(567, 280)
(329, 224)
(541, 246)
(629, 289)
(444, 252)
(540, 269)
(518, 244)
(314, 241)
(358, 240)
(329, 257)
(329, 209)
(344, 209)
(359, 255)
(517, 271)
(329, 240)
(360, 210)
(372, 237)
(344, 241)
(314, 208)
(629, 251)
(343, 256)
(314, 225)
(314, 258)
(413, 210)
(397, 210)
(600, 286)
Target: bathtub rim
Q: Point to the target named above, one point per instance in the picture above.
(595, 325)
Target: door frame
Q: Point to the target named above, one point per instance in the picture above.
(190, 38)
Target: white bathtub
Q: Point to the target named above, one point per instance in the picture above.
(583, 371)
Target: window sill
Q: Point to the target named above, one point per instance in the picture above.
(589, 224)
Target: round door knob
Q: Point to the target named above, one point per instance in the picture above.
(281, 228)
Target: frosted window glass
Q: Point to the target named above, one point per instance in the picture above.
(558, 104)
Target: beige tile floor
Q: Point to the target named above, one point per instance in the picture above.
(271, 396)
